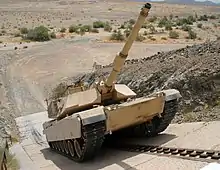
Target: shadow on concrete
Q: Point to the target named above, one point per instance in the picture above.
(106, 157)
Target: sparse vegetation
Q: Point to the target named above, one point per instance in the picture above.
(140, 38)
(63, 30)
(152, 29)
(12, 162)
(174, 34)
(191, 35)
(127, 32)
(24, 30)
(199, 25)
(53, 35)
(117, 36)
(73, 28)
(152, 19)
(203, 18)
(38, 34)
(186, 27)
(132, 21)
(94, 30)
(98, 24)
(107, 27)
(163, 38)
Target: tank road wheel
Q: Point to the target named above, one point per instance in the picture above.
(65, 147)
(88, 145)
(52, 145)
(78, 148)
(62, 146)
(58, 146)
(71, 148)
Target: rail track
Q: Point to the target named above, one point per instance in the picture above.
(183, 153)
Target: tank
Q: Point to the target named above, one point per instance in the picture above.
(84, 117)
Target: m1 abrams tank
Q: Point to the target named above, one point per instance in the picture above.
(83, 117)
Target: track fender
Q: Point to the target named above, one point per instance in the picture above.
(171, 94)
(92, 115)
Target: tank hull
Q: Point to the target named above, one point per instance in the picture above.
(93, 125)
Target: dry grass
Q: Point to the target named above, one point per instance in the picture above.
(12, 163)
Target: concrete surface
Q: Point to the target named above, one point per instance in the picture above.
(33, 152)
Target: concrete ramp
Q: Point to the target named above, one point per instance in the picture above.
(34, 154)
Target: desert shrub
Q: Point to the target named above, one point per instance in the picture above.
(163, 38)
(38, 34)
(191, 19)
(94, 30)
(168, 26)
(152, 19)
(163, 22)
(186, 27)
(17, 34)
(199, 25)
(12, 162)
(191, 35)
(140, 38)
(173, 34)
(117, 36)
(122, 26)
(23, 30)
(98, 24)
(183, 21)
(127, 32)
(63, 29)
(171, 16)
(129, 27)
(152, 29)
(151, 38)
(3, 31)
(144, 26)
(203, 18)
(107, 27)
(132, 21)
(213, 17)
(73, 28)
(53, 35)
(215, 25)
(86, 28)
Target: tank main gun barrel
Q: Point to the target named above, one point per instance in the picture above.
(121, 57)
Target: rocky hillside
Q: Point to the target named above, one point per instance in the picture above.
(194, 71)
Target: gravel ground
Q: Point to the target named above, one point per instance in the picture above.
(7, 108)
(194, 71)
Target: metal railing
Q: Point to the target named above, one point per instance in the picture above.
(3, 158)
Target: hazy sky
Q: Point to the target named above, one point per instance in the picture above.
(200, 0)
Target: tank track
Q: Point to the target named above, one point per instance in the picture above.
(84, 148)
(152, 128)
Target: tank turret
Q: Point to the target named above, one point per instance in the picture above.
(105, 91)
(84, 117)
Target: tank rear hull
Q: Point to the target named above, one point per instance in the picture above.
(134, 112)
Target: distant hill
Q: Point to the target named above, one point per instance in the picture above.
(187, 2)
(191, 2)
